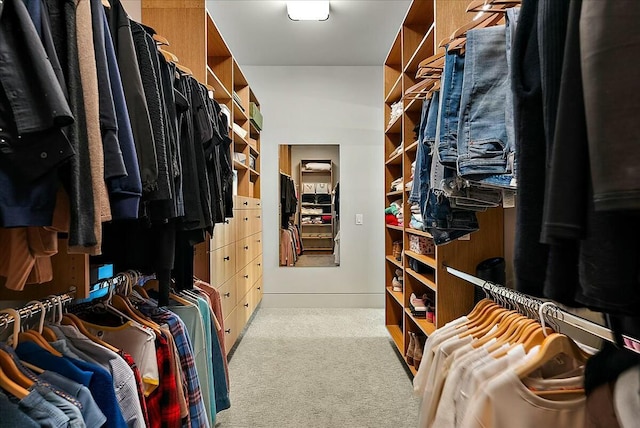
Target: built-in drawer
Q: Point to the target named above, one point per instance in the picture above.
(258, 292)
(245, 280)
(223, 264)
(231, 330)
(244, 223)
(224, 233)
(229, 296)
(247, 249)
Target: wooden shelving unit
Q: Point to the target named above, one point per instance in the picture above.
(325, 242)
(424, 26)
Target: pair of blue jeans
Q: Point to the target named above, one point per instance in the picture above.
(483, 145)
(452, 82)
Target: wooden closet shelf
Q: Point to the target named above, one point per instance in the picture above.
(411, 147)
(427, 327)
(238, 113)
(254, 173)
(396, 334)
(390, 226)
(254, 131)
(221, 94)
(395, 127)
(253, 150)
(414, 106)
(394, 193)
(427, 260)
(396, 91)
(238, 140)
(394, 261)
(418, 232)
(395, 160)
(323, 224)
(422, 278)
(239, 165)
(396, 295)
(424, 50)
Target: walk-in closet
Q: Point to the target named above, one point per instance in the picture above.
(319, 213)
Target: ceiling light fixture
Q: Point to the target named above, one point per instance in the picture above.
(310, 10)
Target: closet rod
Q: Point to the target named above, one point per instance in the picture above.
(30, 310)
(554, 312)
(48, 303)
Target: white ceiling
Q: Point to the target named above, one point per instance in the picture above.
(358, 32)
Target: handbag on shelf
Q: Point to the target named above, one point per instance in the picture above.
(421, 245)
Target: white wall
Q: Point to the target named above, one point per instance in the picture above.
(326, 105)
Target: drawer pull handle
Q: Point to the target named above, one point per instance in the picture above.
(227, 294)
(259, 288)
(246, 247)
(259, 240)
(258, 204)
(257, 216)
(246, 219)
(259, 264)
(228, 331)
(245, 203)
(227, 258)
(246, 276)
(246, 305)
(227, 221)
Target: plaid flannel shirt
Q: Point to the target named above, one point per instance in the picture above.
(197, 413)
(164, 410)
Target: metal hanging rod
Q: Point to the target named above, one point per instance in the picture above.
(50, 302)
(552, 311)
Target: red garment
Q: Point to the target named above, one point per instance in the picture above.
(391, 219)
(136, 374)
(162, 404)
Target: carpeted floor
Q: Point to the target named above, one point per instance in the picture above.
(318, 368)
(312, 260)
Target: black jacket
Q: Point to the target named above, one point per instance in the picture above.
(134, 94)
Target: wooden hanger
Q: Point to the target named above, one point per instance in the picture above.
(124, 306)
(11, 387)
(38, 332)
(184, 69)
(71, 319)
(169, 56)
(434, 61)
(161, 40)
(479, 307)
(12, 371)
(28, 336)
(154, 284)
(491, 5)
(106, 4)
(420, 88)
(552, 346)
(459, 37)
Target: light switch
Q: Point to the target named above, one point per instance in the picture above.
(359, 219)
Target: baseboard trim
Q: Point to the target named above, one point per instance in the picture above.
(291, 300)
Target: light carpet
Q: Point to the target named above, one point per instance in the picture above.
(318, 368)
(312, 260)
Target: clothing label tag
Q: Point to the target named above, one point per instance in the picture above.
(508, 199)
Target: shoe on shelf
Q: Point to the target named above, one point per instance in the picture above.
(410, 349)
(417, 351)
(418, 304)
(396, 284)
